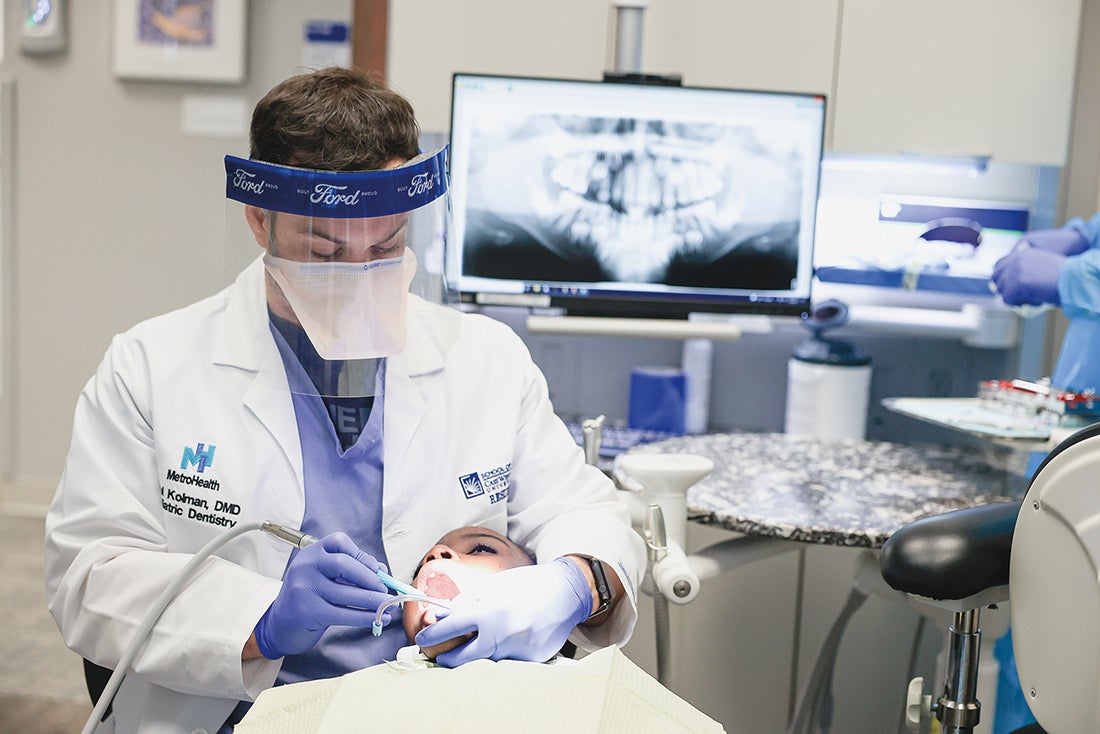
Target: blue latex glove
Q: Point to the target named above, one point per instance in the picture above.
(331, 582)
(523, 613)
(1067, 241)
(1028, 276)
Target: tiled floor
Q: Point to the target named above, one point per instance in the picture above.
(41, 682)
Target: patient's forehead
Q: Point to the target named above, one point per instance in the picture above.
(472, 533)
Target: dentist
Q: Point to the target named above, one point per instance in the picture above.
(331, 389)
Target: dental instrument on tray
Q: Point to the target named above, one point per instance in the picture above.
(1041, 401)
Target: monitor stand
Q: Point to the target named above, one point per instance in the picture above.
(650, 328)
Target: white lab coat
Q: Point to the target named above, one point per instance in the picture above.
(463, 399)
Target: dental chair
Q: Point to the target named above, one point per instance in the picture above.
(1044, 553)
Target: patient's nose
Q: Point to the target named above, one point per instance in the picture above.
(438, 552)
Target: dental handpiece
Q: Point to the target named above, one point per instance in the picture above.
(405, 592)
(300, 540)
(295, 537)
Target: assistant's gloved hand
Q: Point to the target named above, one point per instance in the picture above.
(1067, 241)
(1028, 276)
(331, 582)
(523, 613)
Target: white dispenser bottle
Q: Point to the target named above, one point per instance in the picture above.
(828, 381)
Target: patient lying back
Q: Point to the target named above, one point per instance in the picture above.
(456, 563)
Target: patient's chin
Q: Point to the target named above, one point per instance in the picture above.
(419, 616)
(433, 651)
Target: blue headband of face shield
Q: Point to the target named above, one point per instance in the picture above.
(337, 194)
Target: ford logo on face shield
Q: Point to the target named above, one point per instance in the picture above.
(420, 184)
(243, 180)
(330, 195)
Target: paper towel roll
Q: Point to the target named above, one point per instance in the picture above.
(696, 361)
(657, 399)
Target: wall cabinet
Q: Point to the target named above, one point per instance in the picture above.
(941, 77)
(991, 77)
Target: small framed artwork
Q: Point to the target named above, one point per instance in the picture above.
(181, 40)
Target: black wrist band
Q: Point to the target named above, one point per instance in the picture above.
(603, 588)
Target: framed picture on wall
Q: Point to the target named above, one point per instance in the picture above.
(181, 40)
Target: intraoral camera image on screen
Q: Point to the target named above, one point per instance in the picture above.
(609, 198)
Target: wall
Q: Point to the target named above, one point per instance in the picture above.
(898, 78)
(942, 77)
(7, 216)
(118, 215)
(789, 44)
(1082, 182)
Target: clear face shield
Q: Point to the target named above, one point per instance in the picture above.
(353, 264)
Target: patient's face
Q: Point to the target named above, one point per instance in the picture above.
(459, 557)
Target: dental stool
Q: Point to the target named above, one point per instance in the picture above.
(1044, 553)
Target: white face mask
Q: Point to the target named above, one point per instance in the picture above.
(348, 310)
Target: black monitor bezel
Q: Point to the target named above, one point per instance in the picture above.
(640, 304)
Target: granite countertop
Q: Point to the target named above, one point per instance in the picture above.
(847, 492)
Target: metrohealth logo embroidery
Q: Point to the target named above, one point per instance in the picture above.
(200, 457)
(471, 485)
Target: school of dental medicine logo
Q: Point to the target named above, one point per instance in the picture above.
(199, 457)
(471, 485)
(492, 482)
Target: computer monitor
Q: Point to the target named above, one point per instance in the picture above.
(620, 199)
